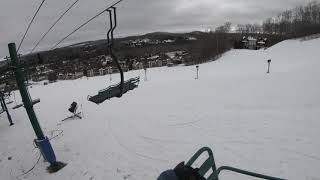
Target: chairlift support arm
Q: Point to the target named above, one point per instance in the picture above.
(113, 25)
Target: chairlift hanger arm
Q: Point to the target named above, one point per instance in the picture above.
(113, 25)
(115, 21)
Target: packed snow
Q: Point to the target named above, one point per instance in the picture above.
(267, 123)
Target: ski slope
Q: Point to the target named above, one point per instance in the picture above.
(268, 123)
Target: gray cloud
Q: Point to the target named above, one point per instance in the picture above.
(135, 17)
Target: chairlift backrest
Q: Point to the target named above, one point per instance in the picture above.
(208, 164)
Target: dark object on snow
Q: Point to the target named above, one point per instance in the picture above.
(269, 62)
(55, 167)
(197, 77)
(73, 107)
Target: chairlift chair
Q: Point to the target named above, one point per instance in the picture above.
(124, 86)
(209, 163)
(73, 109)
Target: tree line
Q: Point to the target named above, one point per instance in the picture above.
(297, 22)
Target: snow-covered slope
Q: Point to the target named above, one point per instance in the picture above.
(267, 123)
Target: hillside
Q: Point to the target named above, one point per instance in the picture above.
(268, 123)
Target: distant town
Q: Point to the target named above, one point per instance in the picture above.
(138, 52)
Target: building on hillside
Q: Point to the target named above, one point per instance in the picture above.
(152, 64)
(52, 77)
(251, 43)
(138, 65)
(109, 70)
(262, 43)
(102, 71)
(41, 75)
(168, 41)
(191, 38)
(90, 73)
(70, 76)
(159, 63)
(61, 76)
(78, 75)
(176, 57)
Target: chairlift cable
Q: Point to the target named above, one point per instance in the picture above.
(34, 16)
(45, 34)
(82, 25)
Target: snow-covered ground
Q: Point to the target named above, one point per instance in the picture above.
(268, 123)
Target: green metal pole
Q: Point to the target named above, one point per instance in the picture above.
(24, 92)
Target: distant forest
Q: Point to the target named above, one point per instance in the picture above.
(297, 22)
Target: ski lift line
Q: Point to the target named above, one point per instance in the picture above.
(62, 15)
(34, 16)
(77, 29)
(85, 24)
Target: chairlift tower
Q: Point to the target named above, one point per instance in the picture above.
(42, 142)
(5, 108)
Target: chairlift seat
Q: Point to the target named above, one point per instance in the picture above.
(114, 91)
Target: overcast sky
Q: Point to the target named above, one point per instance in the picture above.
(134, 17)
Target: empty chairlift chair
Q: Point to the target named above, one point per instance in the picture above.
(124, 86)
